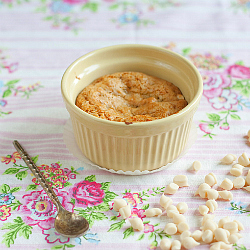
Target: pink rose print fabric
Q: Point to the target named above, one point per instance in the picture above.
(214, 83)
(87, 193)
(239, 71)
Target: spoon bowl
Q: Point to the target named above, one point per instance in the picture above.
(67, 223)
(70, 224)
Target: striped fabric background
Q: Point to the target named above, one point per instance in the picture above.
(40, 52)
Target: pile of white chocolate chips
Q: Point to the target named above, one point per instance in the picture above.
(220, 235)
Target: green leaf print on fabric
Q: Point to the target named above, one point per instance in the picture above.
(117, 226)
(31, 187)
(90, 178)
(128, 232)
(5, 189)
(92, 6)
(105, 186)
(220, 120)
(91, 215)
(16, 228)
(239, 207)
(20, 171)
(243, 86)
(109, 196)
(241, 247)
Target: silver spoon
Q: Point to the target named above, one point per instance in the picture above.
(66, 223)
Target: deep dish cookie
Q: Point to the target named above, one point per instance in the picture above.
(131, 97)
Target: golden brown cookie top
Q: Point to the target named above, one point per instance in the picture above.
(131, 97)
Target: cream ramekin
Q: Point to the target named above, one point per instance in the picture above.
(138, 146)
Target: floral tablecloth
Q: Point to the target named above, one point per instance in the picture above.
(38, 41)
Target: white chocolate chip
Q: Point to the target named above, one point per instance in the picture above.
(202, 187)
(244, 160)
(247, 188)
(212, 205)
(189, 242)
(178, 218)
(210, 179)
(203, 192)
(165, 201)
(197, 235)
(171, 210)
(227, 232)
(203, 209)
(182, 226)
(136, 223)
(165, 244)
(171, 213)
(172, 188)
(236, 170)
(176, 245)
(231, 226)
(229, 159)
(221, 234)
(212, 194)
(196, 166)
(239, 182)
(207, 236)
(226, 184)
(170, 229)
(233, 238)
(181, 180)
(207, 217)
(172, 207)
(226, 195)
(240, 226)
(223, 221)
(215, 247)
(152, 212)
(184, 235)
(209, 224)
(220, 245)
(248, 178)
(237, 165)
(182, 207)
(125, 212)
(119, 203)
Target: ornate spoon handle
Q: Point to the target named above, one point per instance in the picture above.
(39, 176)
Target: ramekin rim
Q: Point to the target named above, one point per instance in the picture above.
(146, 123)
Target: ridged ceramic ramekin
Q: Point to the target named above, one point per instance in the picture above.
(138, 146)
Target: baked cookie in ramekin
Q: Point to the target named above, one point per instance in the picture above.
(136, 146)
